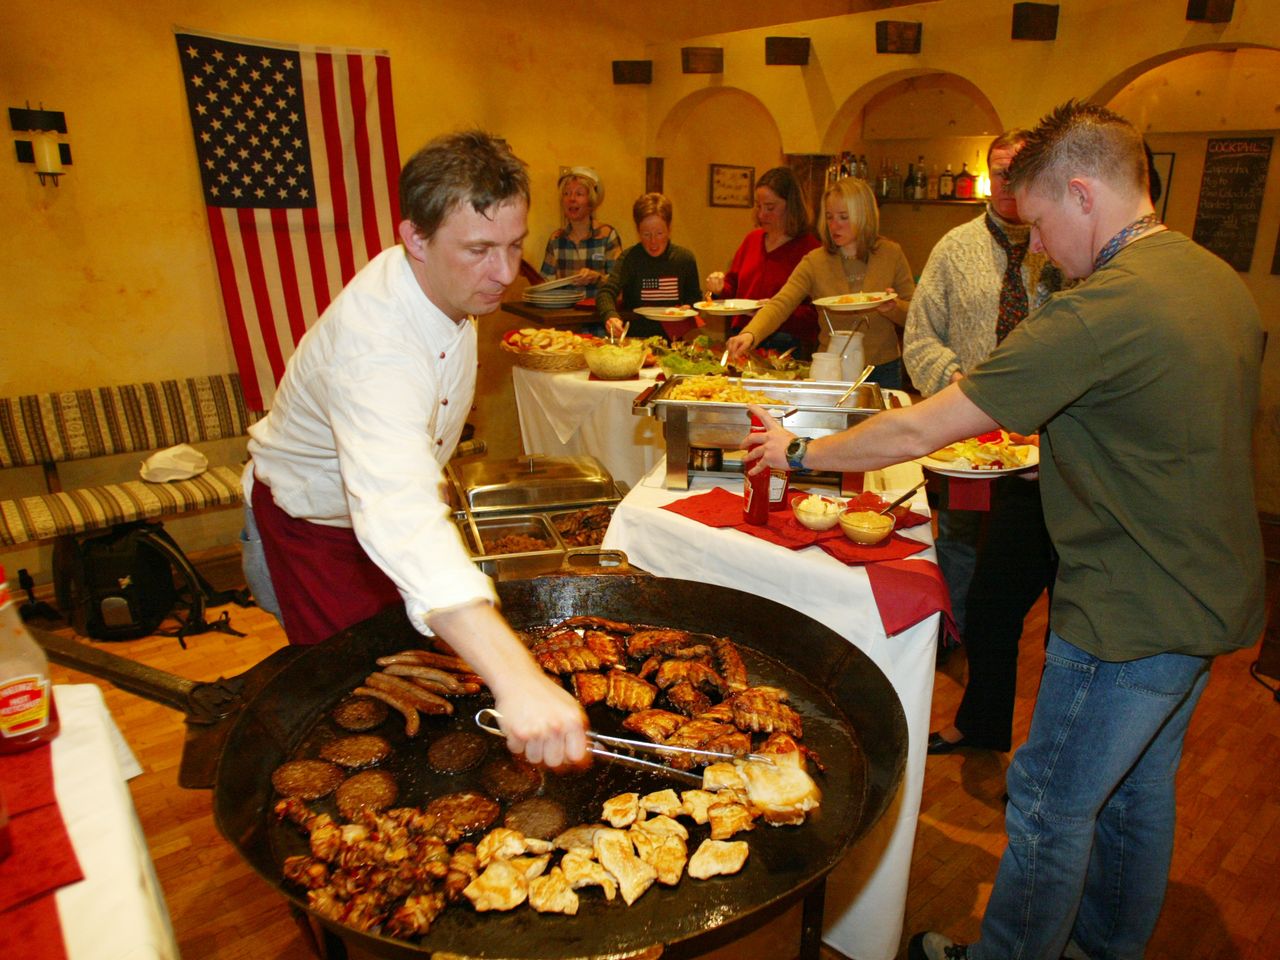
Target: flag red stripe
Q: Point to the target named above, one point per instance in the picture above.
(360, 114)
(333, 150)
(235, 315)
(315, 257)
(258, 285)
(390, 150)
(288, 274)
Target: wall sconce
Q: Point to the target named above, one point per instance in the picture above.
(49, 155)
(983, 186)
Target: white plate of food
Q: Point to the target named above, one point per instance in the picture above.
(666, 313)
(983, 457)
(850, 302)
(727, 308)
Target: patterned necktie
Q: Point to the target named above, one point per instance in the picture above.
(1013, 292)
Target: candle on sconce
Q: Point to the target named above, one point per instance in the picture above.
(45, 148)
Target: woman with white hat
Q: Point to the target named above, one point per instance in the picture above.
(582, 248)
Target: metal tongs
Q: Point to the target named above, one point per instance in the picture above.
(487, 719)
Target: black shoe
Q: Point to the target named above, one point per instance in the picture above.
(934, 946)
(938, 746)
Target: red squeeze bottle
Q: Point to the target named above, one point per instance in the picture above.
(28, 717)
(765, 491)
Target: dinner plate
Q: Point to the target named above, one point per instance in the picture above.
(841, 305)
(666, 313)
(950, 468)
(727, 308)
(550, 285)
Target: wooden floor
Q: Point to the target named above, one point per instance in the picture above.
(1222, 901)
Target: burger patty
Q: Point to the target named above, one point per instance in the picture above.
(539, 817)
(358, 714)
(457, 752)
(460, 814)
(371, 790)
(356, 752)
(511, 778)
(308, 779)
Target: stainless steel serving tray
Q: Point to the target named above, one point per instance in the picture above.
(513, 566)
(530, 484)
(807, 407)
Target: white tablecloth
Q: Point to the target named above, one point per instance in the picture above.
(567, 414)
(117, 912)
(866, 893)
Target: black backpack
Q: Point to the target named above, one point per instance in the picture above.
(123, 584)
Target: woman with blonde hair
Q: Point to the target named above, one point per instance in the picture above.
(583, 248)
(853, 258)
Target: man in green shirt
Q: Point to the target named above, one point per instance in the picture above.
(1148, 498)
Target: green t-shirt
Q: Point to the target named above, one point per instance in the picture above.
(1146, 379)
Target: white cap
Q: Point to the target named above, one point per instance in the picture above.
(585, 173)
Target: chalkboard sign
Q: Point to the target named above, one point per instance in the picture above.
(1235, 173)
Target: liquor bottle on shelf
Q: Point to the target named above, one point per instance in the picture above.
(920, 187)
(864, 172)
(931, 187)
(28, 716)
(895, 182)
(947, 184)
(909, 182)
(965, 182)
(882, 181)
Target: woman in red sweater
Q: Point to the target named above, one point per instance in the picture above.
(768, 255)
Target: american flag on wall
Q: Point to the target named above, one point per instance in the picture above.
(299, 164)
(661, 290)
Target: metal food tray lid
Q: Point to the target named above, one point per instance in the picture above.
(533, 483)
(815, 395)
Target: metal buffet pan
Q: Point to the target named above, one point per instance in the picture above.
(531, 483)
(810, 406)
(279, 710)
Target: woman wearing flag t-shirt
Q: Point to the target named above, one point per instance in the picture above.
(653, 273)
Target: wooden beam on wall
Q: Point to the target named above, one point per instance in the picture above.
(1210, 11)
(1035, 21)
(702, 59)
(898, 36)
(653, 173)
(632, 71)
(786, 51)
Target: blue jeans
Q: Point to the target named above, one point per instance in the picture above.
(957, 546)
(254, 564)
(1091, 807)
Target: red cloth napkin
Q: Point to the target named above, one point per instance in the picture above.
(894, 548)
(716, 508)
(907, 591)
(42, 859)
(27, 779)
(32, 931)
(903, 516)
(966, 494)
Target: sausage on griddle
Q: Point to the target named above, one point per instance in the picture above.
(359, 714)
(356, 752)
(457, 752)
(308, 779)
(371, 790)
(412, 722)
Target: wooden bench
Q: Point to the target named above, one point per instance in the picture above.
(51, 428)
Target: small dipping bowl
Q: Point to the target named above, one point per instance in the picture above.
(820, 515)
(866, 527)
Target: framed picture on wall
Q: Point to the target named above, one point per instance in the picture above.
(731, 186)
(1164, 170)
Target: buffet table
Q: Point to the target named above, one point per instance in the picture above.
(569, 414)
(866, 894)
(118, 909)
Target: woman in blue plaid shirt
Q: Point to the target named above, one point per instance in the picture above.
(583, 248)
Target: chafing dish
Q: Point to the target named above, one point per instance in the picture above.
(530, 484)
(513, 566)
(808, 407)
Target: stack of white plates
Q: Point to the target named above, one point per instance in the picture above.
(560, 297)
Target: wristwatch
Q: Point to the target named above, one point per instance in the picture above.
(796, 450)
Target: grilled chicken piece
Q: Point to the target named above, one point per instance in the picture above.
(687, 699)
(582, 871)
(605, 646)
(306, 871)
(721, 713)
(726, 819)
(669, 858)
(650, 666)
(721, 776)
(715, 857)
(695, 803)
(531, 867)
(589, 688)
(693, 735)
(566, 659)
(736, 742)
(581, 837)
(761, 709)
(663, 802)
(414, 917)
(644, 643)
(556, 639)
(784, 749)
(552, 893)
(694, 672)
(730, 663)
(464, 866)
(664, 825)
(655, 725)
(782, 792)
(598, 623)
(620, 811)
(617, 855)
(628, 692)
(501, 887)
(502, 843)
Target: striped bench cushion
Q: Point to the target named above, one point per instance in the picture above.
(78, 424)
(95, 508)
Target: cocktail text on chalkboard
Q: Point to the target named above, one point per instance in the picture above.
(1235, 174)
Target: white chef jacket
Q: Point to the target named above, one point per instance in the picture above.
(371, 406)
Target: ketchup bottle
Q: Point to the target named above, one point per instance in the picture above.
(28, 717)
(765, 491)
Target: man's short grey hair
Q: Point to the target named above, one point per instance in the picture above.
(1081, 139)
(471, 167)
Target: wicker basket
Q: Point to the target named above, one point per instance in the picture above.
(545, 360)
